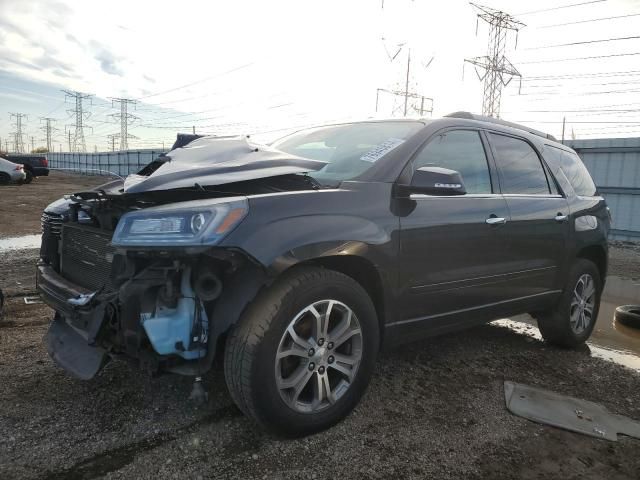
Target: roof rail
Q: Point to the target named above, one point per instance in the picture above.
(483, 118)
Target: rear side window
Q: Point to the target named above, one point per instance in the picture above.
(459, 150)
(577, 174)
(520, 168)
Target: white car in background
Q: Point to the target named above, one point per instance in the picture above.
(11, 172)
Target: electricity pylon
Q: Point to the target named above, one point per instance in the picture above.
(48, 130)
(78, 143)
(498, 70)
(112, 138)
(18, 134)
(125, 119)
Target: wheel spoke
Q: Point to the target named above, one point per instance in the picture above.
(588, 308)
(347, 372)
(298, 339)
(318, 392)
(294, 351)
(319, 323)
(327, 389)
(346, 336)
(297, 379)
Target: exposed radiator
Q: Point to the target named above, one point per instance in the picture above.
(86, 256)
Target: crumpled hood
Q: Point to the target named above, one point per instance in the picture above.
(218, 160)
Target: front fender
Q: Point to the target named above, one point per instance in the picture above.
(285, 242)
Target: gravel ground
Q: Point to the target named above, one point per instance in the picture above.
(434, 409)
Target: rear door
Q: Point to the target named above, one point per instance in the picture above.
(452, 247)
(538, 229)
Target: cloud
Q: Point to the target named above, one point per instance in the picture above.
(107, 60)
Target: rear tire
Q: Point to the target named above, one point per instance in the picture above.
(570, 323)
(5, 179)
(281, 366)
(29, 176)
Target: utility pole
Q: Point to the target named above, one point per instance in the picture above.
(194, 129)
(6, 146)
(406, 82)
(125, 119)
(564, 120)
(48, 130)
(70, 149)
(498, 70)
(79, 144)
(18, 135)
(33, 145)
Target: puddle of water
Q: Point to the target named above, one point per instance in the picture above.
(20, 243)
(610, 340)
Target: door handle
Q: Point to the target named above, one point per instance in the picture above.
(493, 220)
(560, 217)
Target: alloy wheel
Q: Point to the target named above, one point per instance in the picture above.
(582, 304)
(318, 356)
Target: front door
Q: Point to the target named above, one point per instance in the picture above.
(452, 247)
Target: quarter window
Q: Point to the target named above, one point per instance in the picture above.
(577, 174)
(520, 168)
(459, 150)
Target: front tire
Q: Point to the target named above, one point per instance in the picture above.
(29, 176)
(302, 355)
(570, 323)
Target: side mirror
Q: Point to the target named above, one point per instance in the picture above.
(437, 181)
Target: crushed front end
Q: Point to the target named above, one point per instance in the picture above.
(135, 269)
(145, 292)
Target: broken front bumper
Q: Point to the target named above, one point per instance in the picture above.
(72, 334)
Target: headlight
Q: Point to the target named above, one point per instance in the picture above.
(201, 222)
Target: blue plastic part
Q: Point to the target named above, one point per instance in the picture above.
(170, 327)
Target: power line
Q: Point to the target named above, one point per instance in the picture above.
(584, 75)
(635, 37)
(198, 81)
(589, 21)
(582, 58)
(560, 7)
(498, 70)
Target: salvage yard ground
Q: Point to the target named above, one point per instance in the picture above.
(434, 408)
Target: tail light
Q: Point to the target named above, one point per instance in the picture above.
(45, 162)
(19, 167)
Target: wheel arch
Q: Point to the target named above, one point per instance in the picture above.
(598, 255)
(361, 270)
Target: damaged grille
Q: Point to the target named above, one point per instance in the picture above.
(86, 256)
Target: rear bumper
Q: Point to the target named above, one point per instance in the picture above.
(40, 171)
(17, 176)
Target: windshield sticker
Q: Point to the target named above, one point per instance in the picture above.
(381, 150)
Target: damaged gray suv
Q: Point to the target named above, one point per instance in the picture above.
(293, 264)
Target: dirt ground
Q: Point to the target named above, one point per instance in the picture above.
(21, 205)
(435, 409)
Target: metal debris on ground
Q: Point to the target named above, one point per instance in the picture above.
(576, 415)
(32, 300)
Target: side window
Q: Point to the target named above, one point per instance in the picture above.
(459, 150)
(577, 174)
(520, 168)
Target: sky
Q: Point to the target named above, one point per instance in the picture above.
(263, 68)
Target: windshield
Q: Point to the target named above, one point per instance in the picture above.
(350, 149)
